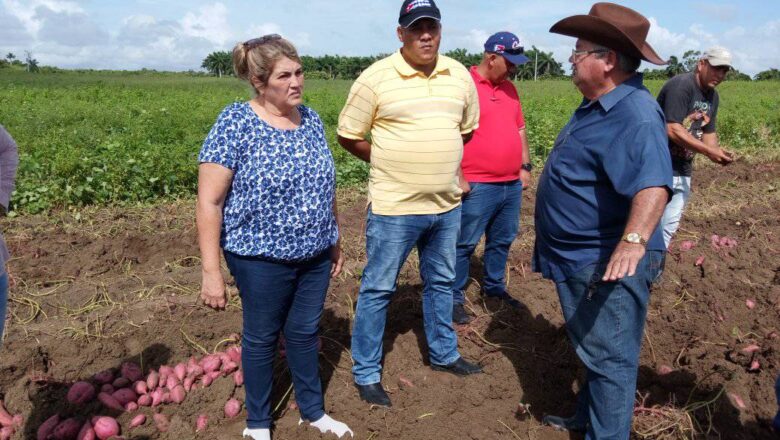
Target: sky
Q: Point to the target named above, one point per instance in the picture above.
(177, 35)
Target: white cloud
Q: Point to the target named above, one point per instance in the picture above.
(209, 22)
(27, 11)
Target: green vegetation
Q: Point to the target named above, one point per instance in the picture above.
(89, 138)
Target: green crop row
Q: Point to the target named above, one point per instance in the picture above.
(127, 138)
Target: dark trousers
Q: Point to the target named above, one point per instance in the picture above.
(279, 296)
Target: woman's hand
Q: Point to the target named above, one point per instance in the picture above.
(212, 291)
(336, 259)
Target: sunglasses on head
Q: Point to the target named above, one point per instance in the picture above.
(251, 44)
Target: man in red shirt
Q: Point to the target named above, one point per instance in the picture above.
(497, 165)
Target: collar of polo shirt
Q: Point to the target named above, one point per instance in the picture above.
(405, 69)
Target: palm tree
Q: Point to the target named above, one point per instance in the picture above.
(31, 63)
(10, 57)
(219, 63)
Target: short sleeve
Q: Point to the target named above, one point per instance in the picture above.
(9, 161)
(470, 120)
(221, 143)
(675, 102)
(711, 127)
(357, 116)
(640, 159)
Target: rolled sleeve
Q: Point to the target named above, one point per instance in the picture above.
(470, 121)
(640, 160)
(357, 116)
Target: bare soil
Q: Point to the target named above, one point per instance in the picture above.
(96, 287)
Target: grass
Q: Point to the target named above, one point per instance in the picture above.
(128, 138)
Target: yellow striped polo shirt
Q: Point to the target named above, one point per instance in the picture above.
(415, 123)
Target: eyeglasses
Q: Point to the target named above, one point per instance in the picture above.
(575, 54)
(251, 44)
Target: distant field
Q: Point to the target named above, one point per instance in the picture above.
(126, 138)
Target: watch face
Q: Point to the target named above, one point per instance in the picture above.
(633, 237)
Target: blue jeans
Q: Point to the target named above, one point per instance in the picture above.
(605, 322)
(280, 296)
(492, 209)
(776, 423)
(389, 239)
(3, 302)
(670, 221)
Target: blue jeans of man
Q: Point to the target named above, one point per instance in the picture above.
(605, 322)
(3, 302)
(492, 209)
(389, 240)
(280, 296)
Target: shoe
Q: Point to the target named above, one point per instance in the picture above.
(461, 367)
(507, 299)
(562, 424)
(257, 434)
(459, 315)
(374, 394)
(326, 424)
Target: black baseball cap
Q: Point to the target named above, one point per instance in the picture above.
(413, 10)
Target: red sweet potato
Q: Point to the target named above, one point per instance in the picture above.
(81, 393)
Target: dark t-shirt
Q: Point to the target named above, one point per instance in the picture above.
(685, 103)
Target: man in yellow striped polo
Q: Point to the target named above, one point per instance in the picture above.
(417, 108)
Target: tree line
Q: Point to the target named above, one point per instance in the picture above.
(542, 64)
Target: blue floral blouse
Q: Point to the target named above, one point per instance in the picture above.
(280, 204)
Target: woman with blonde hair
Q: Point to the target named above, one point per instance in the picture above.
(266, 197)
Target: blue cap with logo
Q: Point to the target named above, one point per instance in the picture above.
(508, 45)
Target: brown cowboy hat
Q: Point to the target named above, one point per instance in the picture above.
(613, 26)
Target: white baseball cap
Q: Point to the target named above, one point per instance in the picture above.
(717, 56)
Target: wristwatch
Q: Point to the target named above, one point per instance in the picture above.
(634, 238)
(527, 166)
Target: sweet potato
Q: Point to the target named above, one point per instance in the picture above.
(109, 401)
(87, 432)
(180, 371)
(202, 423)
(157, 396)
(137, 421)
(232, 408)
(105, 376)
(188, 381)
(152, 380)
(238, 378)
(67, 429)
(234, 353)
(47, 427)
(140, 387)
(106, 427)
(210, 363)
(107, 388)
(145, 400)
(131, 406)
(81, 393)
(6, 419)
(162, 422)
(125, 395)
(171, 382)
(121, 382)
(206, 380)
(178, 394)
(6, 433)
(131, 371)
(229, 367)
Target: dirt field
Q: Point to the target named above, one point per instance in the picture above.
(109, 285)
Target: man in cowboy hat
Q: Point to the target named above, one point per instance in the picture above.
(598, 203)
(497, 165)
(690, 103)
